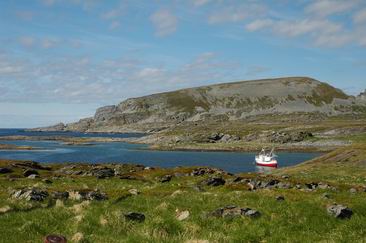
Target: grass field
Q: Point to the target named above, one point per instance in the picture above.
(301, 217)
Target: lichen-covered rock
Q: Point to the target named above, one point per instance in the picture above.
(214, 181)
(30, 194)
(340, 211)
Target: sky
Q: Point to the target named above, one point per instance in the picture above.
(62, 59)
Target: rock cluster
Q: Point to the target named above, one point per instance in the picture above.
(233, 211)
(30, 194)
(213, 181)
(221, 137)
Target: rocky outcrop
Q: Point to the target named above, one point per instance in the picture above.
(221, 102)
(362, 96)
(58, 127)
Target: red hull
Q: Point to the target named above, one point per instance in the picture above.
(268, 165)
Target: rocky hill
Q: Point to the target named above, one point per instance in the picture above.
(222, 102)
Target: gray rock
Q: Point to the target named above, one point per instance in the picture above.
(252, 213)
(214, 181)
(29, 172)
(33, 176)
(87, 195)
(30, 194)
(165, 178)
(102, 173)
(232, 211)
(4, 170)
(60, 195)
(133, 216)
(353, 190)
(340, 211)
(47, 181)
(280, 198)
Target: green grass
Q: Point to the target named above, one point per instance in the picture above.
(302, 217)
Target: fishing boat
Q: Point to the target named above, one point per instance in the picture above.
(266, 159)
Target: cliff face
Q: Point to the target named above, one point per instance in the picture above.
(228, 101)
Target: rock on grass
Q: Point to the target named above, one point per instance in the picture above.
(340, 211)
(133, 216)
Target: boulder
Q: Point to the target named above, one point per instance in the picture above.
(30, 194)
(182, 215)
(339, 211)
(353, 190)
(102, 173)
(5, 170)
(60, 195)
(233, 211)
(214, 181)
(133, 216)
(87, 195)
(165, 178)
(133, 192)
(29, 172)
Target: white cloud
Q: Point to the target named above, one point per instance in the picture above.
(255, 70)
(49, 43)
(259, 24)
(360, 16)
(114, 25)
(165, 22)
(330, 7)
(27, 41)
(305, 26)
(82, 80)
(233, 13)
(198, 3)
(48, 2)
(25, 15)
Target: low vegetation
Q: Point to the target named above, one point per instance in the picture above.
(164, 195)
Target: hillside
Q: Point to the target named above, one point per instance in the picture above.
(222, 102)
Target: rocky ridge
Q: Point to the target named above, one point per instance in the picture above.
(220, 102)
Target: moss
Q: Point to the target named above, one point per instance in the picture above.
(185, 102)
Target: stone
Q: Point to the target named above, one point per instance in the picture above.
(29, 172)
(280, 198)
(214, 181)
(165, 178)
(33, 176)
(134, 191)
(47, 181)
(87, 195)
(133, 216)
(323, 186)
(326, 195)
(353, 190)
(30, 194)
(54, 239)
(59, 203)
(182, 215)
(60, 195)
(252, 213)
(339, 211)
(4, 170)
(5, 209)
(232, 211)
(77, 237)
(102, 173)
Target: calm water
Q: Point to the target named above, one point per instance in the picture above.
(54, 151)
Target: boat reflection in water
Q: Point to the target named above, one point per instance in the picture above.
(264, 169)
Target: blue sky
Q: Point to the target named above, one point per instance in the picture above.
(61, 59)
